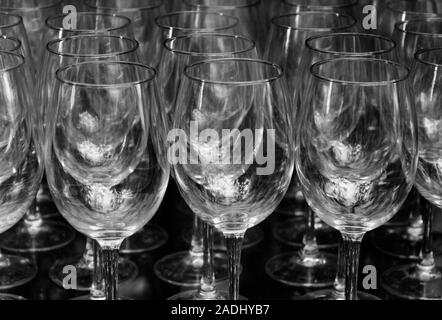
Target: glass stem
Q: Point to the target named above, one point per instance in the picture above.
(310, 246)
(352, 247)
(196, 243)
(234, 244)
(427, 262)
(109, 253)
(33, 218)
(207, 289)
(339, 284)
(97, 286)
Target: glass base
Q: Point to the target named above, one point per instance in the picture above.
(395, 242)
(330, 294)
(290, 269)
(252, 238)
(15, 271)
(409, 282)
(88, 297)
(11, 297)
(183, 269)
(127, 271)
(149, 238)
(193, 295)
(292, 231)
(48, 236)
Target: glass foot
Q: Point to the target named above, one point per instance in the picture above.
(88, 297)
(410, 282)
(395, 242)
(149, 238)
(184, 269)
(127, 271)
(15, 271)
(330, 294)
(292, 270)
(292, 231)
(194, 295)
(252, 238)
(10, 297)
(48, 236)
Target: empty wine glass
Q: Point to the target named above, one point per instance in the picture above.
(22, 168)
(402, 10)
(185, 268)
(180, 52)
(230, 112)
(60, 53)
(423, 280)
(142, 14)
(285, 46)
(34, 14)
(34, 234)
(356, 148)
(105, 163)
(414, 35)
(251, 23)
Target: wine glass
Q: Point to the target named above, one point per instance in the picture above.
(414, 35)
(356, 148)
(35, 234)
(285, 45)
(142, 14)
(12, 25)
(423, 280)
(402, 10)
(405, 241)
(184, 268)
(105, 153)
(229, 113)
(295, 6)
(22, 167)
(60, 53)
(34, 14)
(251, 22)
(180, 52)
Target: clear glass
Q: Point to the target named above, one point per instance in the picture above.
(184, 268)
(285, 46)
(34, 14)
(142, 14)
(423, 280)
(402, 10)
(233, 195)
(414, 35)
(60, 53)
(296, 6)
(356, 148)
(22, 167)
(251, 23)
(105, 161)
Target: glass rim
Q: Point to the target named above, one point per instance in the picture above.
(50, 5)
(168, 41)
(399, 26)
(344, 5)
(159, 4)
(177, 13)
(16, 41)
(309, 45)
(104, 86)
(124, 18)
(428, 63)
(337, 14)
(12, 24)
(391, 3)
(235, 83)
(218, 7)
(16, 66)
(49, 46)
(315, 66)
